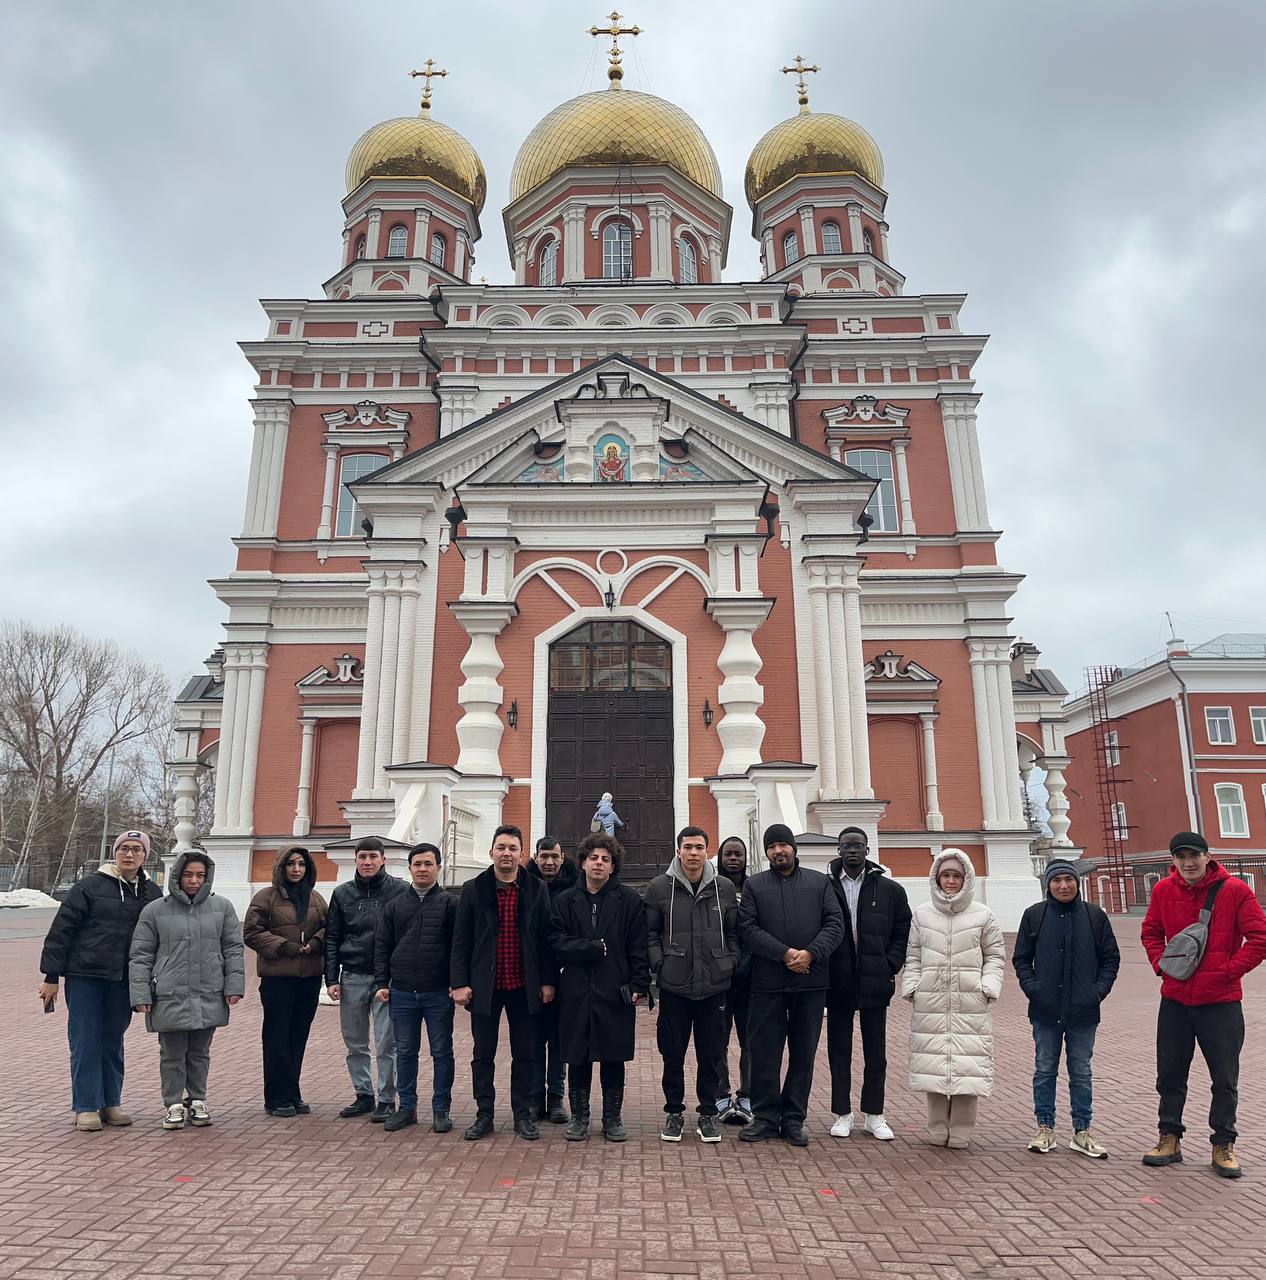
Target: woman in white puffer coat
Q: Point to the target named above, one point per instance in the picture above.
(953, 974)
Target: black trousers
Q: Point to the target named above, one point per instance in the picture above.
(776, 1019)
(290, 1004)
(679, 1017)
(485, 1028)
(736, 1023)
(839, 1051)
(610, 1075)
(1219, 1031)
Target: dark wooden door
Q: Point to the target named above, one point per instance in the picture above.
(617, 742)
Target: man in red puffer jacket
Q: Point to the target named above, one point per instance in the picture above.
(1206, 1008)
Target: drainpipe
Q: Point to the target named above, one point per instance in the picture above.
(791, 300)
(1191, 750)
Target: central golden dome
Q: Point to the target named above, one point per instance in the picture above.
(613, 127)
(811, 142)
(419, 147)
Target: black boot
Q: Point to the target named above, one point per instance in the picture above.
(612, 1126)
(578, 1127)
(555, 1112)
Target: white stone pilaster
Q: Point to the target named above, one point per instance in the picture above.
(903, 486)
(883, 241)
(402, 709)
(373, 234)
(824, 684)
(257, 665)
(1007, 735)
(224, 751)
(841, 691)
(808, 232)
(962, 445)
(661, 241)
(984, 746)
(268, 460)
(1056, 801)
(326, 528)
(573, 243)
(741, 695)
(185, 776)
(931, 794)
(520, 260)
(422, 233)
(303, 797)
(855, 242)
(767, 257)
(460, 251)
(862, 789)
(372, 672)
(714, 259)
(347, 246)
(479, 730)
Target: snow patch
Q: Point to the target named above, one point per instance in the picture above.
(27, 898)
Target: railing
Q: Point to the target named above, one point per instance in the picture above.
(448, 853)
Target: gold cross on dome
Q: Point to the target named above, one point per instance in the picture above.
(615, 72)
(798, 69)
(427, 75)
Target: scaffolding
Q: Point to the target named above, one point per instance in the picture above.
(1114, 829)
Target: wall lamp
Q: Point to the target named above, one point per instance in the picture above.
(608, 596)
(707, 714)
(512, 716)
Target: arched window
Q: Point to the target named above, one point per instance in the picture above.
(689, 262)
(439, 248)
(398, 241)
(877, 464)
(609, 657)
(360, 246)
(617, 251)
(831, 242)
(549, 264)
(353, 467)
(868, 241)
(790, 248)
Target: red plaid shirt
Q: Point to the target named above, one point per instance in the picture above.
(509, 957)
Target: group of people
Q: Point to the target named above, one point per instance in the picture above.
(566, 953)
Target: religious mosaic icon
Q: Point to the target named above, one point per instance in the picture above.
(543, 472)
(611, 460)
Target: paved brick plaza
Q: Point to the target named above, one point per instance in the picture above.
(326, 1199)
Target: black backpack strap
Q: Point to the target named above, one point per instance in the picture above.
(1207, 910)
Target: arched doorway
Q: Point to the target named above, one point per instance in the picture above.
(610, 728)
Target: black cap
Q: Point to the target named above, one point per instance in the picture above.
(1189, 840)
(779, 833)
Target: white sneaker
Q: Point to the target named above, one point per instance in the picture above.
(843, 1126)
(877, 1127)
(198, 1113)
(175, 1117)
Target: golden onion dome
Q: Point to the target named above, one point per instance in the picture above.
(612, 127)
(811, 142)
(419, 147)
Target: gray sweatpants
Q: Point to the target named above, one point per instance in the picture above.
(356, 1007)
(184, 1061)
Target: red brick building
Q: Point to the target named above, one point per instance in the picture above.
(1183, 749)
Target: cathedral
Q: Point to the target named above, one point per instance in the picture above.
(720, 548)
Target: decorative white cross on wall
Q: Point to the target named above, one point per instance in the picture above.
(375, 329)
(854, 325)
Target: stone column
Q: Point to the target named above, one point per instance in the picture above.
(256, 661)
(931, 797)
(375, 230)
(480, 728)
(984, 746)
(958, 415)
(268, 459)
(402, 709)
(1056, 800)
(854, 212)
(422, 233)
(883, 241)
(841, 692)
(741, 695)
(661, 241)
(224, 752)
(714, 259)
(185, 774)
(857, 684)
(303, 799)
(372, 673)
(573, 243)
(808, 232)
(767, 257)
(326, 528)
(347, 245)
(520, 260)
(1010, 773)
(903, 486)
(460, 248)
(824, 684)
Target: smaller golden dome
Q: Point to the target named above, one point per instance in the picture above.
(811, 142)
(419, 147)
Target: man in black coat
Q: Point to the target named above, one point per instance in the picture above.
(1066, 959)
(863, 971)
(412, 955)
(356, 908)
(503, 961)
(558, 875)
(87, 944)
(791, 922)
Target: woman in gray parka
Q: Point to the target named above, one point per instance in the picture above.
(185, 969)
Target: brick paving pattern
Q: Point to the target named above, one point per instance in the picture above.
(318, 1198)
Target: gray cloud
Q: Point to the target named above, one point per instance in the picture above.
(1090, 174)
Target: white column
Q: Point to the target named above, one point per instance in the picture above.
(660, 241)
(841, 692)
(1056, 800)
(1007, 733)
(883, 241)
(185, 802)
(520, 260)
(808, 232)
(931, 796)
(388, 677)
(767, 240)
(984, 747)
(326, 528)
(258, 660)
(823, 681)
(714, 259)
(573, 243)
(422, 233)
(347, 245)
(962, 445)
(741, 695)
(1001, 774)
(224, 754)
(903, 486)
(410, 580)
(459, 255)
(854, 212)
(241, 701)
(372, 669)
(303, 798)
(268, 460)
(857, 685)
(480, 728)
(375, 228)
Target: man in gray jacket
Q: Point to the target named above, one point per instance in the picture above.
(790, 921)
(691, 919)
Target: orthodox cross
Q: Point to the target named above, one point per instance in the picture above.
(427, 75)
(615, 72)
(798, 69)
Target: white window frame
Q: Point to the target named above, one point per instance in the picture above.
(439, 248)
(1120, 822)
(688, 261)
(398, 241)
(1112, 748)
(883, 506)
(548, 274)
(1257, 718)
(1209, 722)
(832, 228)
(790, 249)
(617, 250)
(868, 242)
(1229, 806)
(348, 514)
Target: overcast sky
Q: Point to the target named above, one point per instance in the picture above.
(1090, 173)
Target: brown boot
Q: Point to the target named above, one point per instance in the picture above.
(1225, 1165)
(87, 1121)
(1167, 1151)
(115, 1116)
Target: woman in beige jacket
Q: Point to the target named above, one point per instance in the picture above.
(953, 974)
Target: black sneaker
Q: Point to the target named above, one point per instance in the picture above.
(709, 1130)
(441, 1122)
(674, 1125)
(282, 1113)
(793, 1133)
(361, 1106)
(302, 1108)
(399, 1120)
(525, 1128)
(481, 1128)
(555, 1112)
(383, 1112)
(759, 1131)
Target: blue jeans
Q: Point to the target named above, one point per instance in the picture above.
(1078, 1045)
(409, 1010)
(548, 1039)
(98, 1013)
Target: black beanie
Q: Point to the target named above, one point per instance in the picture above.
(779, 833)
(1189, 840)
